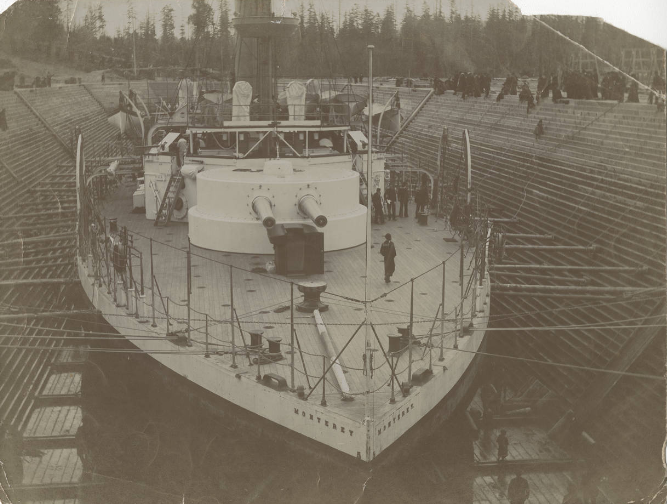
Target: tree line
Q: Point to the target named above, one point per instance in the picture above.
(429, 44)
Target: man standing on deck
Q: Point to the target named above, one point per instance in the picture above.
(390, 198)
(403, 200)
(182, 146)
(377, 206)
(518, 490)
(388, 251)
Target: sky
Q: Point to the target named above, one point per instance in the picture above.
(644, 18)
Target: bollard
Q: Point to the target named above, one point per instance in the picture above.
(120, 294)
(141, 309)
(130, 300)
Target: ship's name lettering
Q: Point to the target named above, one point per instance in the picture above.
(327, 423)
(395, 418)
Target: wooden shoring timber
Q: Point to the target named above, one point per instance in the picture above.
(48, 225)
(590, 297)
(53, 248)
(38, 281)
(65, 190)
(21, 260)
(540, 277)
(55, 135)
(23, 267)
(36, 214)
(47, 314)
(526, 236)
(553, 248)
(39, 239)
(500, 287)
(601, 269)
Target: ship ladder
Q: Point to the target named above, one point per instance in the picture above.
(174, 185)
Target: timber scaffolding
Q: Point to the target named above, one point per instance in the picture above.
(40, 325)
(40, 343)
(581, 242)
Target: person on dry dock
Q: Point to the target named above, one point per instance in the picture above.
(403, 201)
(388, 251)
(503, 444)
(518, 490)
(182, 146)
(422, 200)
(377, 206)
(390, 198)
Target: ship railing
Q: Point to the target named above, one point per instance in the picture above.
(218, 115)
(235, 335)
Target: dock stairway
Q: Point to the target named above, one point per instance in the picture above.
(166, 209)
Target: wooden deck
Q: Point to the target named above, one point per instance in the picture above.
(262, 300)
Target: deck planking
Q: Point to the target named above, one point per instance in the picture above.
(419, 248)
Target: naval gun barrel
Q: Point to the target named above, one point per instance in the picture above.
(308, 205)
(261, 205)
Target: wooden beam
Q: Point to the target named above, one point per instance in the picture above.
(499, 287)
(46, 314)
(589, 402)
(40, 239)
(59, 140)
(601, 269)
(39, 281)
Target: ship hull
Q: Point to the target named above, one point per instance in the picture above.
(281, 417)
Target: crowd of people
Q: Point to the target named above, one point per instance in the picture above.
(585, 85)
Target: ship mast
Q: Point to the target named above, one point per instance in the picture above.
(368, 407)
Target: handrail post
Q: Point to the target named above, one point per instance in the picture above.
(141, 268)
(126, 283)
(456, 327)
(167, 315)
(259, 363)
(187, 256)
(442, 314)
(106, 257)
(324, 381)
(392, 399)
(412, 299)
(152, 285)
(206, 354)
(462, 292)
(231, 316)
(292, 333)
(473, 300)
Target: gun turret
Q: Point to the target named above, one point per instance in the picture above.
(308, 206)
(261, 205)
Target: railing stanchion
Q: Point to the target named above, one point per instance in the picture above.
(188, 286)
(206, 354)
(442, 314)
(259, 363)
(231, 315)
(106, 257)
(167, 315)
(412, 299)
(291, 305)
(462, 292)
(473, 300)
(392, 399)
(324, 381)
(456, 327)
(152, 285)
(141, 268)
